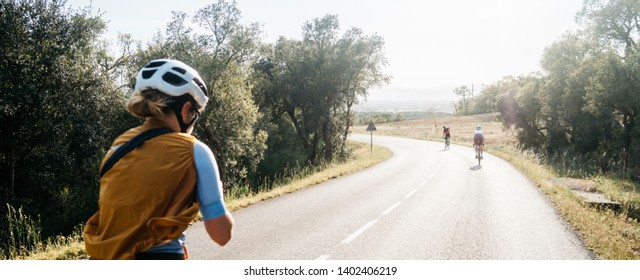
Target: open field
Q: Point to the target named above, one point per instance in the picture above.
(461, 129)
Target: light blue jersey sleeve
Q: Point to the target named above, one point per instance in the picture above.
(209, 193)
(209, 185)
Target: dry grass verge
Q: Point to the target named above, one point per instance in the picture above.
(610, 235)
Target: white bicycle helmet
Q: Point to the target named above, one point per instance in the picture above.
(174, 78)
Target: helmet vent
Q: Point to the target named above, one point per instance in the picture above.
(199, 83)
(182, 71)
(155, 64)
(173, 79)
(146, 74)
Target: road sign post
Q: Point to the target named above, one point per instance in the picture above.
(371, 128)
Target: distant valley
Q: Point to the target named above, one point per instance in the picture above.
(399, 106)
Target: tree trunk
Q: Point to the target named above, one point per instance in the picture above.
(629, 124)
(301, 136)
(328, 143)
(346, 130)
(313, 156)
(348, 120)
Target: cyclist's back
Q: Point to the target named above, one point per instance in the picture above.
(148, 198)
(478, 139)
(446, 131)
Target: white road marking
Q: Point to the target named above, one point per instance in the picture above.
(432, 174)
(411, 193)
(323, 257)
(385, 212)
(358, 232)
(364, 228)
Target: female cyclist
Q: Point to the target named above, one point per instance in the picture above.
(149, 197)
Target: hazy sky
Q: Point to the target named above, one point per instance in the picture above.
(431, 46)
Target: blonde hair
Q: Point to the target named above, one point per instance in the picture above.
(148, 103)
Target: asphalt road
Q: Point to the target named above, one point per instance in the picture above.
(423, 203)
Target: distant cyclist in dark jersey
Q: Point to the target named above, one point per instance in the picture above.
(446, 132)
(447, 136)
(478, 140)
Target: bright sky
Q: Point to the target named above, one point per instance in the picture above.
(432, 46)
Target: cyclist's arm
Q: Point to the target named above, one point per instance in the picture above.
(217, 220)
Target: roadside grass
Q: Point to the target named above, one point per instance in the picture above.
(62, 248)
(58, 248)
(608, 234)
(72, 247)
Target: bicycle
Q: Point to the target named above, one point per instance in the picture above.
(447, 143)
(478, 154)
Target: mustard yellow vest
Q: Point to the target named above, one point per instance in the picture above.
(146, 199)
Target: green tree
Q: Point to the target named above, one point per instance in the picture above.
(486, 102)
(505, 93)
(230, 126)
(585, 104)
(613, 23)
(359, 64)
(530, 120)
(316, 81)
(55, 111)
(461, 106)
(223, 54)
(613, 88)
(568, 66)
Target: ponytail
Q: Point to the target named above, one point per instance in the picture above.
(148, 103)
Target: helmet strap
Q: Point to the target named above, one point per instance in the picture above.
(183, 126)
(176, 106)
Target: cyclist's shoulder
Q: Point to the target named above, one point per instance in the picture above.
(202, 152)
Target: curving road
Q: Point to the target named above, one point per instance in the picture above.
(423, 203)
